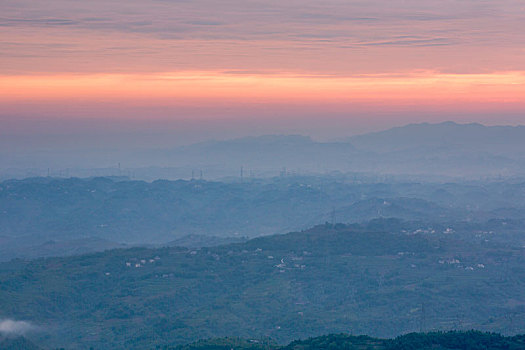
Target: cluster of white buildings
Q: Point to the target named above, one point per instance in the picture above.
(136, 263)
(457, 262)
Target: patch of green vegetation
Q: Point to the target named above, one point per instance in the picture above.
(329, 279)
(470, 340)
(16, 343)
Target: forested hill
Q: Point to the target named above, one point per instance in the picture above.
(329, 279)
(452, 340)
(471, 340)
(49, 217)
(16, 343)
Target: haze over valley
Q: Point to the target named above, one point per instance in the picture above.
(262, 175)
(170, 262)
(441, 151)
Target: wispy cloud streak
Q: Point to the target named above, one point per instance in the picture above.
(342, 36)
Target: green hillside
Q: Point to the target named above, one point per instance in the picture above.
(16, 343)
(329, 279)
(453, 340)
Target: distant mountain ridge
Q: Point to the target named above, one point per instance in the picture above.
(262, 140)
(264, 154)
(445, 149)
(392, 139)
(442, 136)
(442, 149)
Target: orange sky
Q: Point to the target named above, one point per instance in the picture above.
(106, 59)
(201, 87)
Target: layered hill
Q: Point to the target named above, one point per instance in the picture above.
(330, 279)
(471, 340)
(49, 216)
(444, 150)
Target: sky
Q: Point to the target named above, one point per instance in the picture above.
(201, 68)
